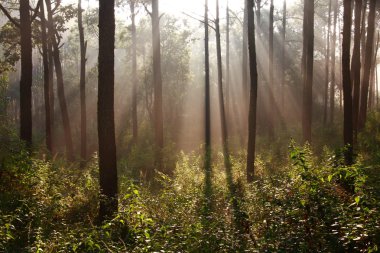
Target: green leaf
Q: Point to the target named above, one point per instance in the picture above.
(357, 199)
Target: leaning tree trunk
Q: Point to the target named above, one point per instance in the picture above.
(346, 44)
(367, 65)
(253, 91)
(82, 85)
(157, 80)
(356, 66)
(26, 74)
(106, 118)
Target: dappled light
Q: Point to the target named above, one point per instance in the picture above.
(189, 126)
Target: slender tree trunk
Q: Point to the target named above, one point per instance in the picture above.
(249, 4)
(308, 60)
(207, 165)
(283, 68)
(134, 73)
(106, 119)
(51, 88)
(228, 92)
(367, 65)
(26, 74)
(220, 80)
(60, 85)
(356, 66)
(82, 84)
(372, 92)
(327, 64)
(245, 74)
(47, 92)
(271, 85)
(333, 65)
(346, 45)
(157, 79)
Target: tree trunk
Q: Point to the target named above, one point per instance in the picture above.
(245, 74)
(253, 91)
(347, 95)
(220, 82)
(134, 73)
(283, 68)
(157, 80)
(82, 85)
(26, 74)
(228, 92)
(271, 85)
(47, 92)
(308, 60)
(356, 66)
(60, 85)
(333, 65)
(372, 92)
(367, 65)
(106, 120)
(208, 188)
(327, 66)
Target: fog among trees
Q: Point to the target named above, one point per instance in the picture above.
(189, 126)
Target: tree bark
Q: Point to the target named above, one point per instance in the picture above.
(333, 65)
(356, 66)
(283, 68)
(327, 64)
(271, 85)
(106, 119)
(82, 85)
(26, 74)
(157, 80)
(347, 95)
(47, 92)
(367, 65)
(134, 73)
(308, 62)
(60, 85)
(253, 91)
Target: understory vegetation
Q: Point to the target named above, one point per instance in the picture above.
(308, 203)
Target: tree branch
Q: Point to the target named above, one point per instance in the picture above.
(11, 19)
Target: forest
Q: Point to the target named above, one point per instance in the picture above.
(189, 126)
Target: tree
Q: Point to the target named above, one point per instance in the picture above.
(47, 86)
(367, 64)
(327, 64)
(271, 76)
(26, 73)
(346, 44)
(333, 67)
(132, 5)
(157, 80)
(60, 83)
(253, 91)
(283, 37)
(82, 85)
(220, 78)
(307, 68)
(356, 66)
(106, 119)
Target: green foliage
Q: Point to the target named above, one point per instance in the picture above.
(369, 138)
(311, 204)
